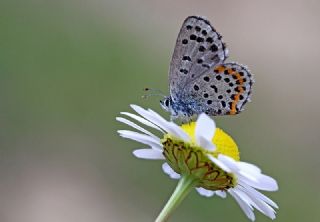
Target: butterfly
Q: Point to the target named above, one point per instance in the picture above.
(200, 80)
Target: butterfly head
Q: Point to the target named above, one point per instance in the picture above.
(166, 103)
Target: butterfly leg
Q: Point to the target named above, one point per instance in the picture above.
(173, 117)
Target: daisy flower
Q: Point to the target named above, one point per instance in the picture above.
(201, 156)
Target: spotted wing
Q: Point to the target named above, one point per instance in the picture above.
(198, 48)
(222, 90)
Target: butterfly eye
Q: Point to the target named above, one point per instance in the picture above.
(167, 102)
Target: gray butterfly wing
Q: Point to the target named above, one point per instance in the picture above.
(198, 48)
(222, 90)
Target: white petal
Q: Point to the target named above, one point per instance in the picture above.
(169, 171)
(221, 193)
(228, 161)
(261, 182)
(219, 163)
(248, 167)
(247, 209)
(149, 116)
(207, 144)
(149, 154)
(133, 134)
(177, 131)
(259, 195)
(250, 173)
(172, 128)
(244, 197)
(205, 128)
(249, 177)
(161, 122)
(205, 192)
(142, 120)
(260, 205)
(145, 139)
(269, 184)
(132, 124)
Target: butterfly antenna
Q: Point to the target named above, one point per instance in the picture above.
(155, 92)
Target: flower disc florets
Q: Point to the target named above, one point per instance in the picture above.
(187, 158)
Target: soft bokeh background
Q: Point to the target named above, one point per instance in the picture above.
(67, 68)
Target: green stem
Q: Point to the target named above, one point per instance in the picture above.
(186, 183)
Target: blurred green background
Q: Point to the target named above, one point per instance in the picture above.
(67, 68)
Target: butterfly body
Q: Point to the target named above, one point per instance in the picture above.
(200, 80)
(184, 109)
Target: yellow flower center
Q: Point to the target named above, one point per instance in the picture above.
(223, 142)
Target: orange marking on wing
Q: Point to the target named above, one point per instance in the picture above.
(219, 69)
(230, 71)
(237, 96)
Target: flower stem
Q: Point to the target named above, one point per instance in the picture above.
(186, 183)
